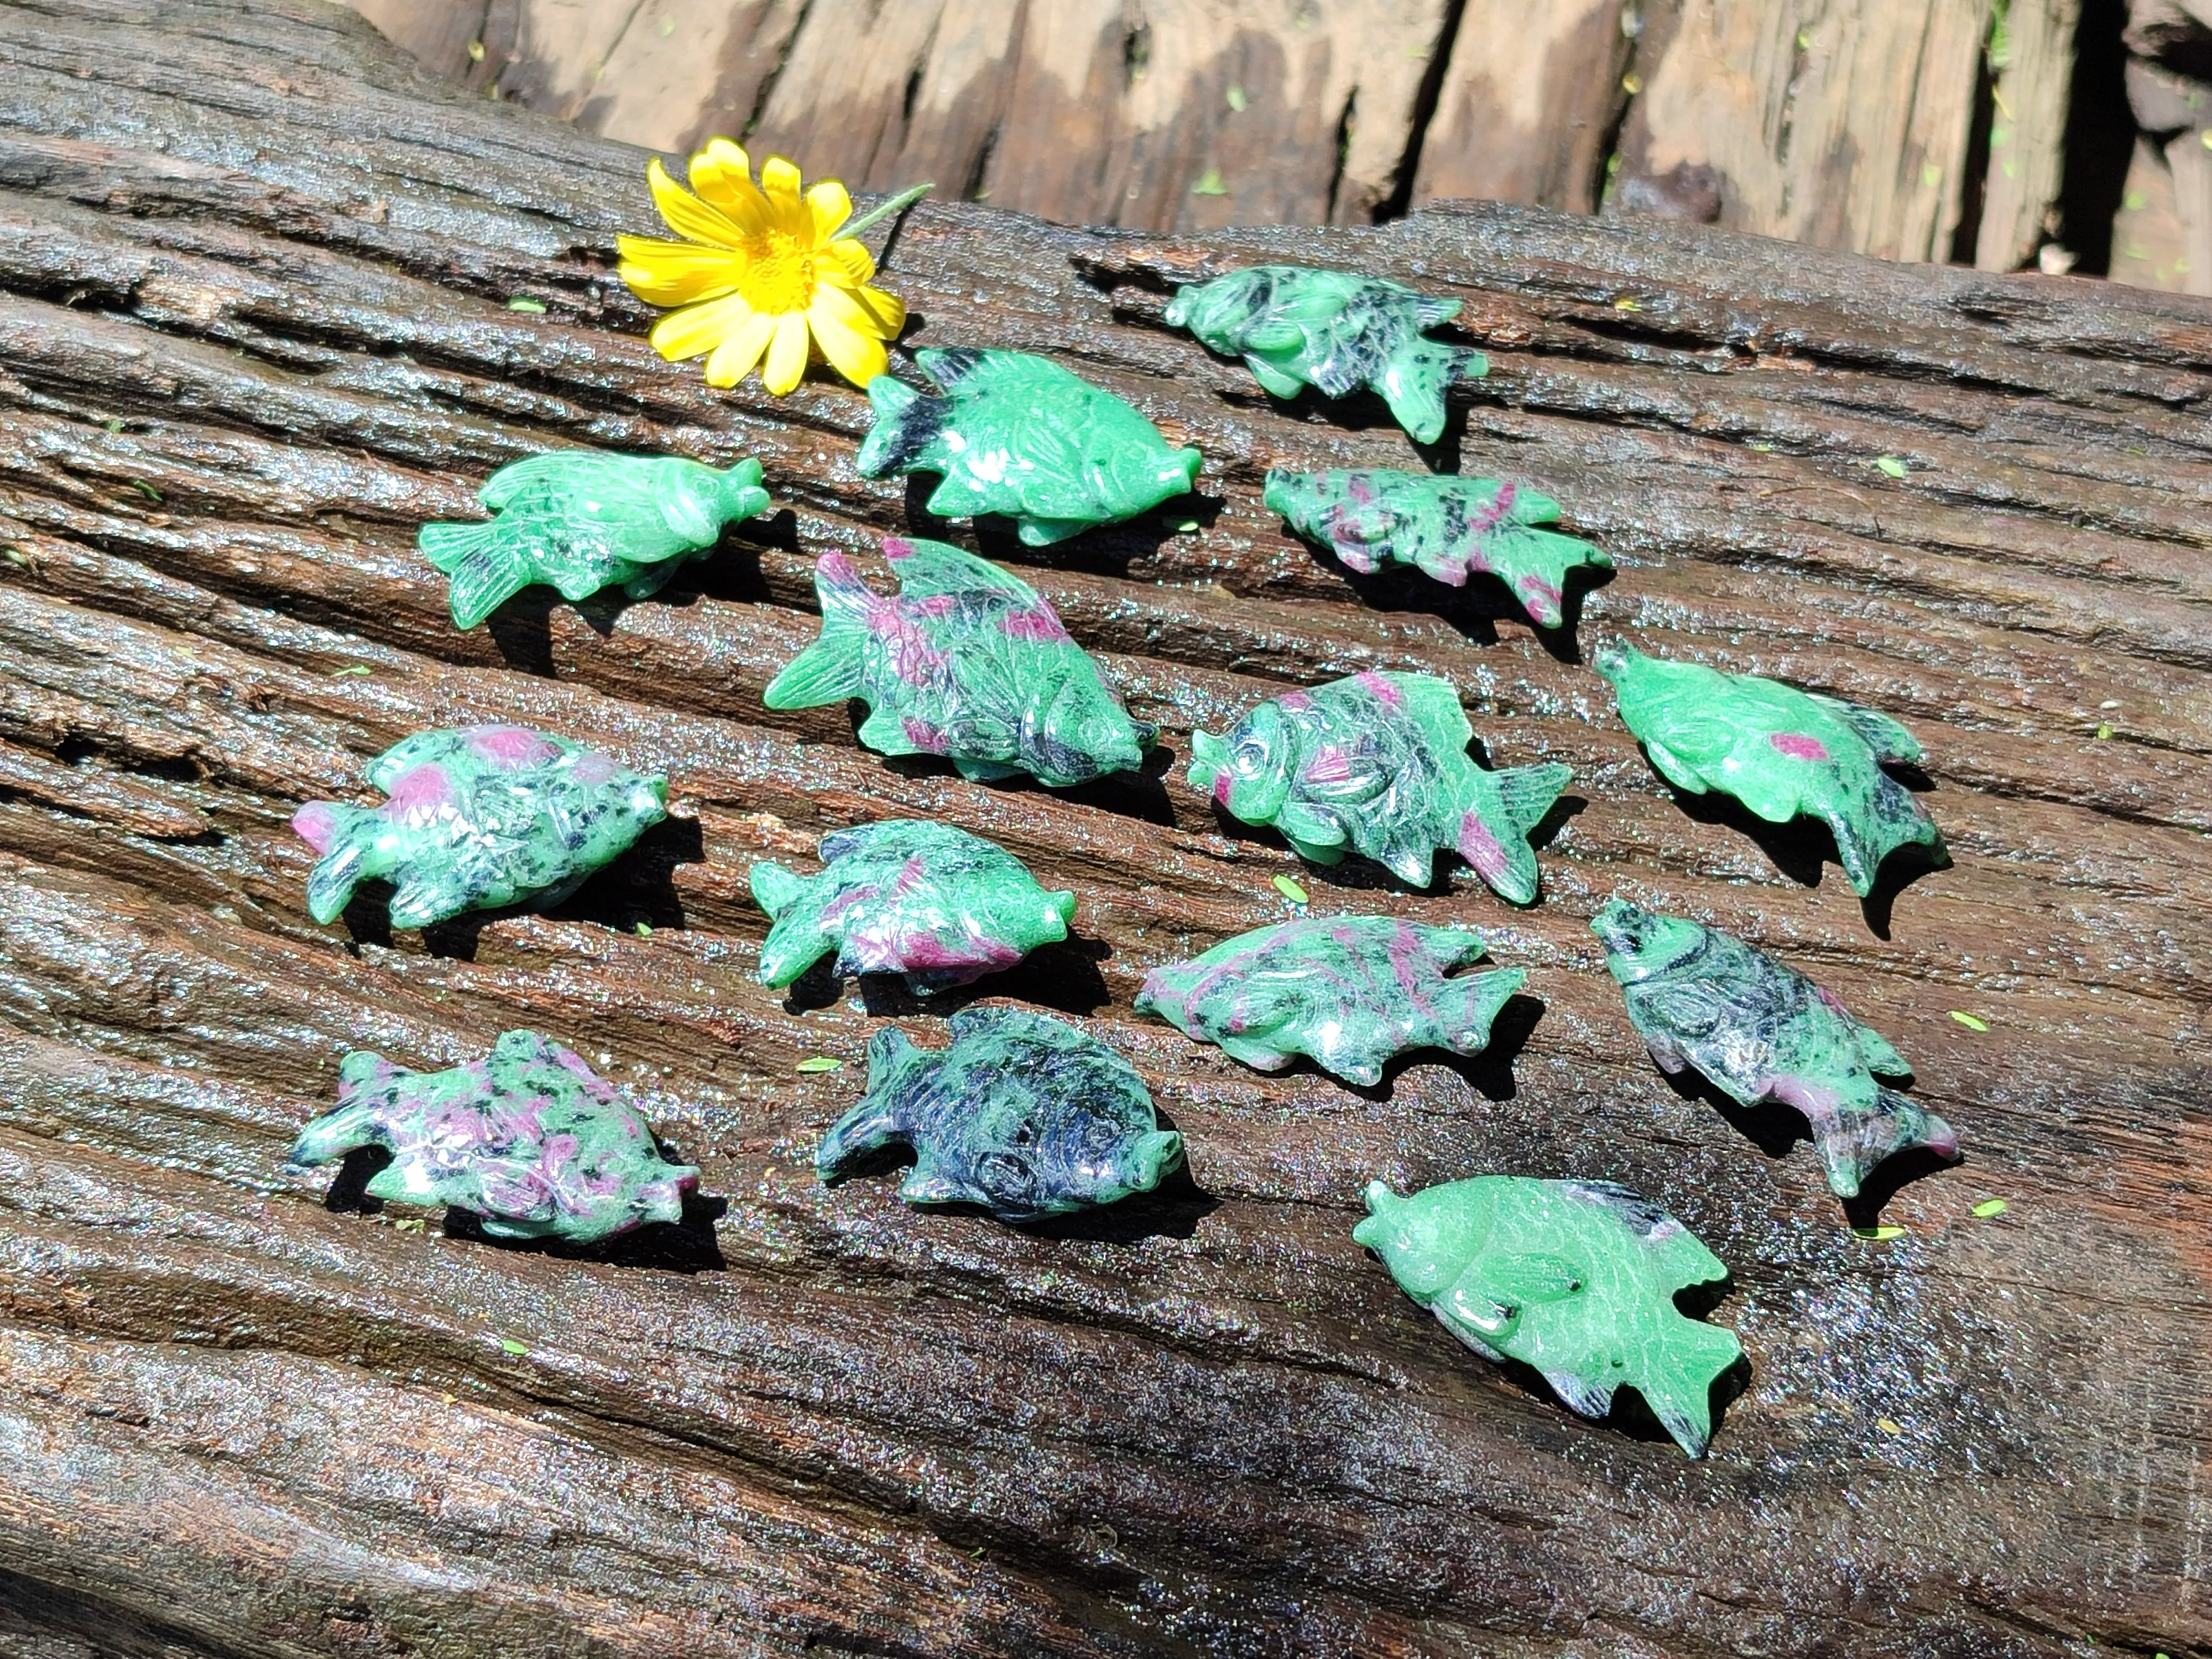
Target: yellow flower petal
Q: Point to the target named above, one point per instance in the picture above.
(699, 328)
(831, 206)
(859, 357)
(845, 262)
(686, 214)
(724, 178)
(779, 182)
(676, 273)
(734, 358)
(843, 307)
(786, 357)
(888, 310)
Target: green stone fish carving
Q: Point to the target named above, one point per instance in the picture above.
(1334, 331)
(1779, 750)
(581, 521)
(528, 1139)
(478, 820)
(933, 903)
(1349, 992)
(1574, 1278)
(1760, 1031)
(1018, 434)
(1447, 527)
(1378, 764)
(1024, 1114)
(968, 662)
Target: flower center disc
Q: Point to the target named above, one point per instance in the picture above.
(779, 274)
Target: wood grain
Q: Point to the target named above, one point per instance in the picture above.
(253, 330)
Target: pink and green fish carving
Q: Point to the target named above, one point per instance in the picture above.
(1018, 434)
(1378, 764)
(935, 903)
(1575, 1279)
(1024, 1115)
(1781, 751)
(1447, 527)
(527, 1139)
(968, 662)
(581, 521)
(477, 819)
(1296, 327)
(1349, 992)
(1762, 1032)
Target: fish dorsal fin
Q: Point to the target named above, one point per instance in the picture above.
(1888, 739)
(925, 568)
(1435, 708)
(1005, 1021)
(1428, 312)
(1527, 792)
(950, 365)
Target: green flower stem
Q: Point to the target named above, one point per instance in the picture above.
(898, 203)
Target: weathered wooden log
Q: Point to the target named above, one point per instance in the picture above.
(254, 270)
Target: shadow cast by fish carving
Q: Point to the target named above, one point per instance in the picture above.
(685, 1246)
(1063, 976)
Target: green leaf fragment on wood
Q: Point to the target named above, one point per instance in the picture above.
(1889, 465)
(1236, 98)
(340, 673)
(512, 1346)
(1880, 1235)
(645, 930)
(820, 1063)
(524, 303)
(1886, 1426)
(1187, 527)
(1210, 183)
(1971, 1022)
(1990, 1206)
(1289, 890)
(2104, 729)
(146, 489)
(475, 51)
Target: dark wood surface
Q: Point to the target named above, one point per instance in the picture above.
(253, 330)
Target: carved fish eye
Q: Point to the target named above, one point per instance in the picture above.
(1025, 1134)
(1251, 755)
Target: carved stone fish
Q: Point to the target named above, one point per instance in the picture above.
(1779, 750)
(1023, 1115)
(968, 662)
(1378, 764)
(1447, 527)
(582, 521)
(1760, 1031)
(1350, 992)
(1575, 1279)
(1334, 331)
(933, 903)
(1018, 434)
(527, 1139)
(477, 820)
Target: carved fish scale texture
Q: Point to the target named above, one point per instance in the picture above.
(1334, 331)
(583, 520)
(1021, 435)
(1378, 764)
(477, 819)
(1348, 991)
(928, 901)
(1446, 527)
(968, 662)
(1023, 1115)
(527, 1139)
(1760, 1031)
(1779, 750)
(1575, 1279)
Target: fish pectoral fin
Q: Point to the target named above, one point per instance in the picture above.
(1673, 768)
(1879, 1054)
(925, 1186)
(955, 497)
(1521, 1281)
(984, 771)
(1276, 381)
(1307, 826)
(1888, 739)
(1578, 1394)
(1478, 1317)
(1043, 532)
(885, 731)
(1251, 1052)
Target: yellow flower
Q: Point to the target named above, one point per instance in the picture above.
(763, 269)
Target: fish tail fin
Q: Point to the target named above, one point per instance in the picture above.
(1500, 850)
(485, 574)
(349, 1125)
(1852, 1148)
(1900, 821)
(1467, 1006)
(1678, 1385)
(907, 421)
(351, 841)
(876, 1121)
(1413, 381)
(775, 887)
(829, 669)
